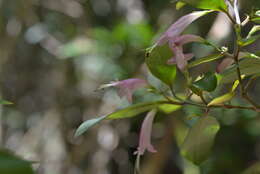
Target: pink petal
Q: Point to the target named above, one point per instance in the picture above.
(187, 38)
(180, 58)
(186, 57)
(224, 64)
(178, 27)
(125, 92)
(145, 134)
(128, 86)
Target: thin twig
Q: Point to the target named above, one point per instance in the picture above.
(242, 87)
(171, 101)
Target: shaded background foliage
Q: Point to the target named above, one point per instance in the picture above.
(55, 54)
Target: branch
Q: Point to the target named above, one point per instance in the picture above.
(242, 87)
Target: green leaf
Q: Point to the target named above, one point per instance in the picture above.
(199, 141)
(134, 110)
(255, 29)
(248, 41)
(128, 112)
(257, 13)
(205, 60)
(236, 83)
(12, 164)
(207, 83)
(218, 5)
(169, 108)
(195, 90)
(179, 5)
(88, 124)
(256, 20)
(254, 169)
(222, 99)
(248, 66)
(156, 60)
(4, 102)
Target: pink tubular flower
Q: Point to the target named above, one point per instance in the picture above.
(145, 134)
(126, 87)
(176, 44)
(177, 28)
(172, 36)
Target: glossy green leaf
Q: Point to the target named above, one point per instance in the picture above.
(195, 90)
(253, 169)
(12, 164)
(218, 5)
(207, 83)
(248, 66)
(199, 141)
(205, 60)
(156, 60)
(130, 111)
(222, 99)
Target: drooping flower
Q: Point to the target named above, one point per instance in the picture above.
(177, 28)
(176, 44)
(126, 87)
(176, 41)
(145, 134)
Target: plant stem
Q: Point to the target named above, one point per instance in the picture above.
(242, 87)
(171, 101)
(174, 94)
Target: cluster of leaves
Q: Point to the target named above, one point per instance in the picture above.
(242, 67)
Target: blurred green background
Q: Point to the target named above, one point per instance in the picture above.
(54, 54)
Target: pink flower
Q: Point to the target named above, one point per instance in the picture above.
(126, 87)
(145, 134)
(176, 44)
(177, 28)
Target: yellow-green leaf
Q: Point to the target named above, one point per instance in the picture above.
(179, 5)
(128, 112)
(218, 5)
(168, 108)
(222, 99)
(205, 60)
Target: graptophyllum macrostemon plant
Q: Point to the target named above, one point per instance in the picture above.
(166, 56)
